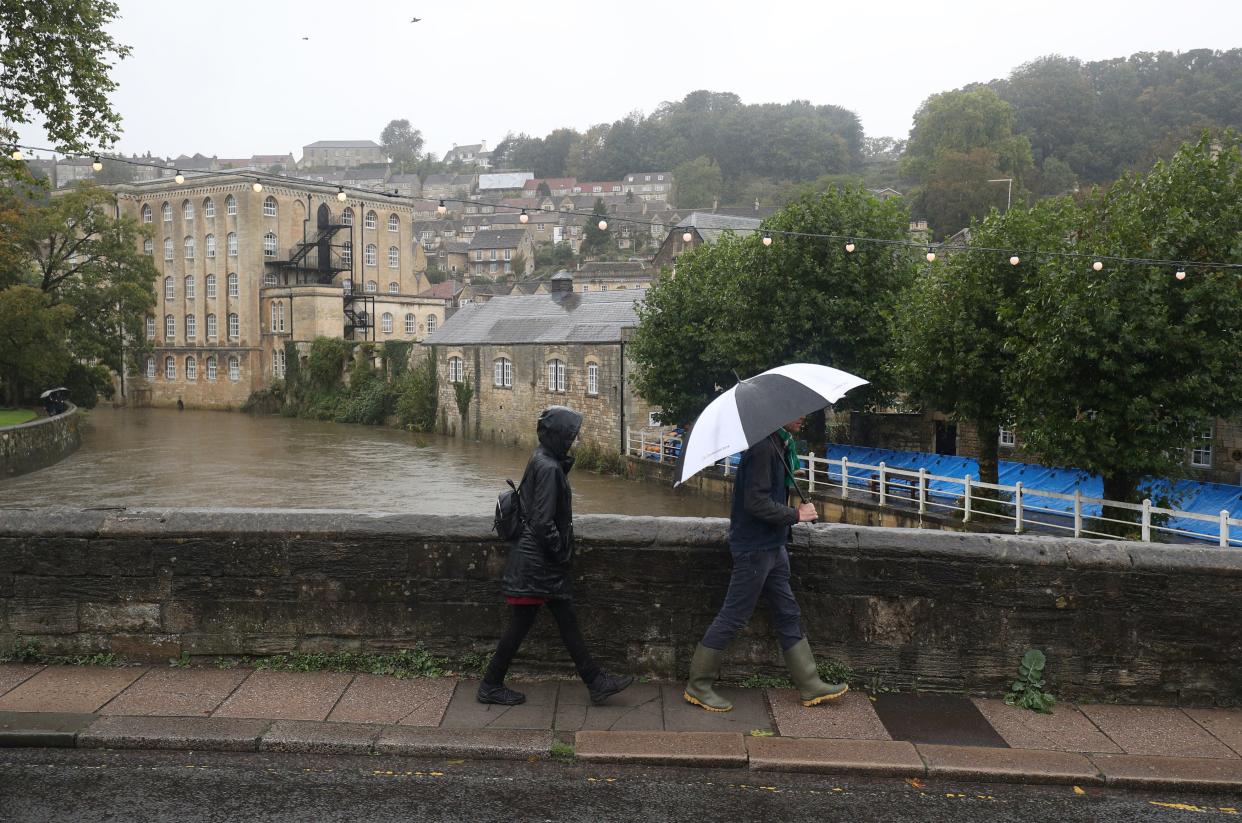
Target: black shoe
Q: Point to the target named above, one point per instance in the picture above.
(499, 695)
(606, 685)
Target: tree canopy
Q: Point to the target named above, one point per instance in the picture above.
(403, 144)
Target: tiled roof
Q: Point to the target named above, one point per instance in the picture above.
(710, 226)
(553, 182)
(343, 144)
(559, 317)
(444, 290)
(504, 180)
(497, 239)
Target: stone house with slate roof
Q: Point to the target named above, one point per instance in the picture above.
(523, 353)
(492, 252)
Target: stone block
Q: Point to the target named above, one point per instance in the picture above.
(124, 617)
(1019, 765)
(319, 738)
(1182, 773)
(148, 648)
(874, 757)
(42, 729)
(194, 733)
(43, 615)
(497, 744)
(699, 749)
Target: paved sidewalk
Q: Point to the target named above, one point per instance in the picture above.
(904, 735)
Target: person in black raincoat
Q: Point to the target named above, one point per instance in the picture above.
(540, 564)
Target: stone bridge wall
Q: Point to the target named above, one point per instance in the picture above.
(912, 608)
(39, 443)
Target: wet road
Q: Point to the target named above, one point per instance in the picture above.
(162, 457)
(70, 785)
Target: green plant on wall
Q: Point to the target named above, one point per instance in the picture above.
(1027, 691)
(418, 396)
(463, 393)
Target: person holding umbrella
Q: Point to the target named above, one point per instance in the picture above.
(749, 418)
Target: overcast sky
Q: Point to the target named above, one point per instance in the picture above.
(235, 78)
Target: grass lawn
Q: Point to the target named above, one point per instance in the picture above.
(11, 417)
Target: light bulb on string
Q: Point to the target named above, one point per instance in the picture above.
(603, 225)
(687, 237)
(1181, 275)
(16, 154)
(97, 164)
(178, 178)
(849, 247)
(1098, 265)
(767, 240)
(257, 186)
(340, 193)
(441, 209)
(523, 217)
(931, 255)
(1015, 260)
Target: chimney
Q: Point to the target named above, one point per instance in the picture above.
(482, 146)
(562, 282)
(715, 204)
(756, 204)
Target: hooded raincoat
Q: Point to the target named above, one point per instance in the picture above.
(540, 562)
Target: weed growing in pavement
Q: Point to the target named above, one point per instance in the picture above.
(1027, 691)
(472, 663)
(23, 651)
(416, 662)
(180, 662)
(562, 751)
(830, 671)
(27, 651)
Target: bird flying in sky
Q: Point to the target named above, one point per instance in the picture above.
(415, 19)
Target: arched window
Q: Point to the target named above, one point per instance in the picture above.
(234, 369)
(189, 287)
(386, 323)
(502, 372)
(187, 210)
(170, 288)
(347, 216)
(166, 209)
(411, 324)
(211, 367)
(348, 285)
(209, 207)
(371, 286)
(211, 246)
(230, 205)
(211, 327)
(211, 286)
(269, 206)
(148, 246)
(394, 287)
(170, 328)
(371, 220)
(269, 278)
(150, 367)
(147, 218)
(230, 243)
(168, 248)
(556, 375)
(191, 327)
(431, 323)
(150, 327)
(170, 368)
(457, 370)
(278, 316)
(234, 327)
(191, 368)
(369, 258)
(232, 285)
(592, 378)
(188, 243)
(394, 258)
(269, 245)
(394, 223)
(347, 253)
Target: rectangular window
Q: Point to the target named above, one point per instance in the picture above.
(592, 378)
(1006, 437)
(556, 375)
(508, 254)
(1201, 454)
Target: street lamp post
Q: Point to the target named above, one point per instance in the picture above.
(1009, 197)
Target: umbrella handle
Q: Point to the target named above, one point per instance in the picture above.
(793, 480)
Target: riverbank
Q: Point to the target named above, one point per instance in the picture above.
(38, 442)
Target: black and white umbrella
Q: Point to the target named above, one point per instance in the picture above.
(51, 391)
(756, 407)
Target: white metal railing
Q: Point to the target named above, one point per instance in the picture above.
(1026, 508)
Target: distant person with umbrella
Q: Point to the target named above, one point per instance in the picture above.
(758, 418)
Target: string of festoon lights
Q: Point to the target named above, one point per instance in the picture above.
(850, 243)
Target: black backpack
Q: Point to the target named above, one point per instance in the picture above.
(508, 522)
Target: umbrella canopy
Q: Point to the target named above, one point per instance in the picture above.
(758, 406)
(52, 391)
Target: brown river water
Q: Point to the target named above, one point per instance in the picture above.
(166, 458)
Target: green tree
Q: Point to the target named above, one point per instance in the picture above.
(737, 304)
(402, 143)
(543, 190)
(958, 326)
(699, 183)
(1120, 368)
(33, 351)
(595, 240)
(957, 190)
(56, 58)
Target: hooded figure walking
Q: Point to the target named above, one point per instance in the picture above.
(759, 529)
(538, 571)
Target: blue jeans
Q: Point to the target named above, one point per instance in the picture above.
(755, 573)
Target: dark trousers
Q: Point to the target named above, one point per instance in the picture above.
(521, 618)
(754, 573)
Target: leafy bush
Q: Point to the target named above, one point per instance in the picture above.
(418, 399)
(1027, 691)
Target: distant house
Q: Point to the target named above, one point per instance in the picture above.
(610, 189)
(473, 154)
(885, 193)
(283, 162)
(448, 186)
(521, 353)
(506, 181)
(703, 227)
(614, 276)
(446, 291)
(649, 185)
(557, 186)
(342, 153)
(407, 185)
(492, 252)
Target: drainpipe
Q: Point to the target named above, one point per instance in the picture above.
(621, 395)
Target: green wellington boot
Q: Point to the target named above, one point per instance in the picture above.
(811, 690)
(704, 669)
